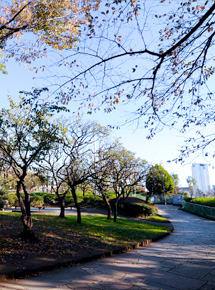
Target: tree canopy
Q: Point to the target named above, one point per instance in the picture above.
(157, 55)
(159, 181)
(26, 134)
(54, 23)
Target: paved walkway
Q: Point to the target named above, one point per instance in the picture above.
(183, 260)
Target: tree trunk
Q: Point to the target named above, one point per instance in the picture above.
(76, 204)
(109, 215)
(26, 211)
(148, 197)
(116, 209)
(62, 206)
(123, 192)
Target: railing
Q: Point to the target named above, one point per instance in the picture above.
(177, 199)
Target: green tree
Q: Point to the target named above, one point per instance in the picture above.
(27, 132)
(101, 178)
(80, 154)
(126, 172)
(37, 201)
(159, 181)
(3, 198)
(54, 164)
(175, 178)
(192, 184)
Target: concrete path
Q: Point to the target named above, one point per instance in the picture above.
(183, 260)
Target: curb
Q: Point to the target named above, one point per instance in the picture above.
(68, 263)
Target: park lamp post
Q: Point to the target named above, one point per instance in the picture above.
(164, 194)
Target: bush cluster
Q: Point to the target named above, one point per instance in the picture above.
(93, 201)
(3, 198)
(187, 198)
(136, 207)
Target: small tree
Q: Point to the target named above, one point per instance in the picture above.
(159, 181)
(26, 134)
(84, 187)
(191, 183)
(176, 183)
(102, 175)
(54, 163)
(126, 171)
(79, 152)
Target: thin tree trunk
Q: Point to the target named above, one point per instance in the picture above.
(26, 211)
(76, 204)
(109, 215)
(62, 206)
(116, 209)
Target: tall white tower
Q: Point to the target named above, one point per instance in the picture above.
(201, 174)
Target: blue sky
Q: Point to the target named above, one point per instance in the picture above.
(164, 146)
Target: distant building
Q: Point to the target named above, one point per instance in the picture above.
(201, 174)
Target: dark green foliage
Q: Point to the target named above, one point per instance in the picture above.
(136, 207)
(38, 193)
(159, 181)
(37, 201)
(188, 199)
(2, 203)
(3, 198)
(69, 200)
(93, 201)
(3, 193)
(49, 198)
(13, 199)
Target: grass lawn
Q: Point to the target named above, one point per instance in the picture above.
(64, 239)
(156, 218)
(54, 232)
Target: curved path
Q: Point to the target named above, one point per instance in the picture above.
(183, 260)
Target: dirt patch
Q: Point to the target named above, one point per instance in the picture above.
(53, 247)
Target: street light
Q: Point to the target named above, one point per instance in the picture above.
(164, 194)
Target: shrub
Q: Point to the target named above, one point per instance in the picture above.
(49, 198)
(137, 207)
(2, 203)
(208, 201)
(93, 201)
(3, 192)
(38, 193)
(12, 199)
(188, 199)
(37, 201)
(69, 199)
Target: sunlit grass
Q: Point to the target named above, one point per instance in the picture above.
(124, 232)
(156, 218)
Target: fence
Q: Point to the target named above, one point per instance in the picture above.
(156, 199)
(174, 199)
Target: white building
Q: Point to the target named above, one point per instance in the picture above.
(201, 174)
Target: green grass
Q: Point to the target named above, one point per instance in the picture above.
(156, 218)
(124, 232)
(208, 201)
(121, 233)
